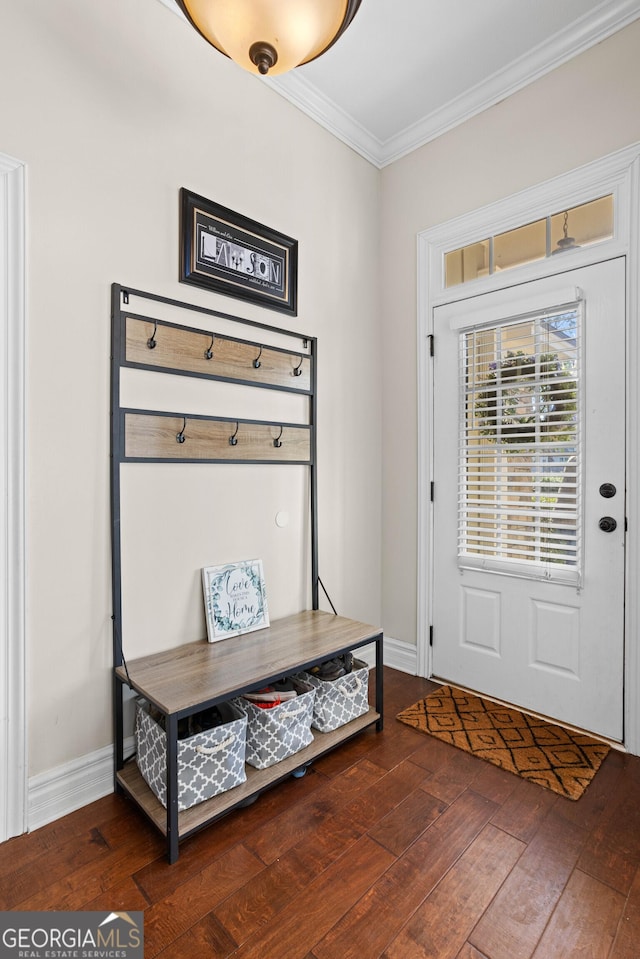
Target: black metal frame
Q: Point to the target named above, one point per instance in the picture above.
(119, 298)
(120, 295)
(171, 719)
(267, 245)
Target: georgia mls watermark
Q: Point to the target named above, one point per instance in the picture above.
(71, 935)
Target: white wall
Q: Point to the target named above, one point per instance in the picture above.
(113, 107)
(584, 110)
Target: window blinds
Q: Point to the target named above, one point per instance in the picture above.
(519, 446)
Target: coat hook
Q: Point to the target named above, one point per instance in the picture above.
(151, 342)
(208, 353)
(180, 437)
(277, 441)
(257, 364)
(233, 440)
(297, 370)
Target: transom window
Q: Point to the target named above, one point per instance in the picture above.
(578, 227)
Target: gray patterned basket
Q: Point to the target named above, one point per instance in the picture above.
(209, 762)
(280, 731)
(338, 701)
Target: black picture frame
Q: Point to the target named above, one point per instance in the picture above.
(229, 253)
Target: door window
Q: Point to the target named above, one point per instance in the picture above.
(520, 456)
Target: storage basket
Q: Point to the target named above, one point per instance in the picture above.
(280, 731)
(338, 701)
(209, 762)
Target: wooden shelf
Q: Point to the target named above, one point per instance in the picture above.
(184, 680)
(189, 820)
(189, 676)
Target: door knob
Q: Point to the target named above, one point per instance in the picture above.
(607, 524)
(607, 490)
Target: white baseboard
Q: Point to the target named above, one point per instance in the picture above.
(59, 791)
(396, 655)
(62, 790)
(401, 656)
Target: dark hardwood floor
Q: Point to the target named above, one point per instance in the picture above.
(395, 845)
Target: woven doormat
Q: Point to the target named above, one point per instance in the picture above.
(551, 756)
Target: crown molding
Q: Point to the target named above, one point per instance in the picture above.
(304, 95)
(568, 43)
(592, 28)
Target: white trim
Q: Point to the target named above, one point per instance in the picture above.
(508, 309)
(632, 601)
(297, 90)
(170, 5)
(62, 790)
(574, 39)
(12, 478)
(619, 174)
(396, 654)
(609, 175)
(400, 655)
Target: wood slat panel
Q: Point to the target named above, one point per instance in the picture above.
(153, 436)
(440, 927)
(323, 835)
(97, 878)
(584, 922)
(184, 350)
(156, 881)
(516, 919)
(628, 937)
(298, 823)
(200, 672)
(380, 915)
(404, 824)
(171, 917)
(613, 849)
(206, 938)
(311, 914)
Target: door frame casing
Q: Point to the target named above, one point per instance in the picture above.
(13, 734)
(617, 174)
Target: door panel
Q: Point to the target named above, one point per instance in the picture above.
(529, 423)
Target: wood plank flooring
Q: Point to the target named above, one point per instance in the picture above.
(395, 846)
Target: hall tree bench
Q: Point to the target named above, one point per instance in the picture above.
(195, 676)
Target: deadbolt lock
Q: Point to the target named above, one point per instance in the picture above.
(607, 524)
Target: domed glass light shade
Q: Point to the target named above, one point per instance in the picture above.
(270, 36)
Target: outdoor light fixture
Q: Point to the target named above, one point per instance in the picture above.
(270, 36)
(566, 242)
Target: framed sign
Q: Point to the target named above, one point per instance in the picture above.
(226, 252)
(235, 599)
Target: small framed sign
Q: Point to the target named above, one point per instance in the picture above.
(231, 254)
(235, 599)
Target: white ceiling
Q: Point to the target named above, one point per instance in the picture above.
(408, 70)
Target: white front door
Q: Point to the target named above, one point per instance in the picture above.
(529, 496)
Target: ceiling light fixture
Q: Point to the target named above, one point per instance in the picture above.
(270, 36)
